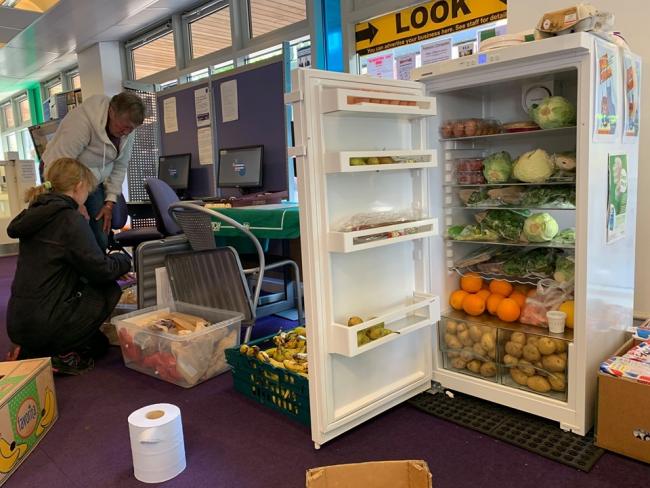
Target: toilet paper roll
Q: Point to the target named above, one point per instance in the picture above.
(157, 446)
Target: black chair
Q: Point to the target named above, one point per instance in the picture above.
(162, 196)
(118, 241)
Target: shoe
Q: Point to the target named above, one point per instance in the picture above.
(71, 364)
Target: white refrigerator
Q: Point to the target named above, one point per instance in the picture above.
(379, 189)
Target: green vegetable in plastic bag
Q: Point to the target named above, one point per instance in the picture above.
(471, 233)
(508, 224)
(540, 227)
(564, 269)
(566, 236)
(537, 261)
(550, 196)
(497, 167)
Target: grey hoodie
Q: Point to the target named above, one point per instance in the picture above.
(82, 136)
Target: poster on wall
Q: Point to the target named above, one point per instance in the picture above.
(436, 51)
(616, 197)
(632, 94)
(607, 91)
(381, 67)
(202, 107)
(304, 57)
(405, 64)
(170, 120)
(229, 101)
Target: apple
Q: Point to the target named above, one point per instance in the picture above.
(357, 161)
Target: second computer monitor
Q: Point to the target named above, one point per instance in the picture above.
(240, 167)
(175, 171)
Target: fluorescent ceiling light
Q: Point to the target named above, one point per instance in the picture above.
(31, 5)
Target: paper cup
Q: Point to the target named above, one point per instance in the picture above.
(556, 321)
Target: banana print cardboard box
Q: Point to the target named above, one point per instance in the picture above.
(27, 410)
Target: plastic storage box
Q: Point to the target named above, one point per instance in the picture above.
(185, 360)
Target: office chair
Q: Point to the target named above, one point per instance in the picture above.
(117, 241)
(162, 196)
(196, 222)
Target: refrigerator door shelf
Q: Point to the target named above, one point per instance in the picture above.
(360, 240)
(380, 103)
(423, 311)
(339, 162)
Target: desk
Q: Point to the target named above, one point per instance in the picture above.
(276, 221)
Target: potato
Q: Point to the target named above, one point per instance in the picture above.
(518, 337)
(519, 377)
(462, 326)
(467, 353)
(486, 328)
(538, 364)
(488, 342)
(453, 354)
(465, 339)
(478, 350)
(492, 354)
(475, 333)
(546, 345)
(531, 353)
(539, 383)
(509, 360)
(451, 326)
(560, 345)
(563, 355)
(452, 342)
(458, 363)
(526, 368)
(554, 363)
(488, 369)
(557, 381)
(474, 366)
(532, 340)
(514, 349)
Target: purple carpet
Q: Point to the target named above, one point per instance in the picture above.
(233, 442)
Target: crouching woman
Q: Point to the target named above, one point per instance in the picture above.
(65, 286)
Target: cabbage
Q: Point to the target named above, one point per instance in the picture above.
(533, 167)
(564, 269)
(540, 227)
(554, 112)
(497, 167)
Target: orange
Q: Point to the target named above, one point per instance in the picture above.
(483, 293)
(568, 308)
(518, 297)
(501, 287)
(474, 304)
(486, 285)
(508, 310)
(471, 282)
(493, 302)
(456, 299)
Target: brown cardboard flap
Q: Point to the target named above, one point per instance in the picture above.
(380, 474)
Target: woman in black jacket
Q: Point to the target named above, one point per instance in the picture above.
(65, 285)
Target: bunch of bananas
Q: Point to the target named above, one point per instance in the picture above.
(290, 351)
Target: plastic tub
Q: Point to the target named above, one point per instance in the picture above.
(470, 177)
(469, 164)
(185, 360)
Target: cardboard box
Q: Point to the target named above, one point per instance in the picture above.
(380, 474)
(623, 423)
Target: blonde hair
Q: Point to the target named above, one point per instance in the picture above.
(62, 176)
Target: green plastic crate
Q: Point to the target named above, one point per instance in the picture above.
(277, 388)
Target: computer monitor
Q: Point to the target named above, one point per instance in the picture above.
(175, 171)
(240, 167)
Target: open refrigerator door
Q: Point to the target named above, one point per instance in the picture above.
(416, 196)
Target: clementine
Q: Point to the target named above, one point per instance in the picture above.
(456, 299)
(471, 282)
(508, 310)
(473, 304)
(518, 297)
(501, 287)
(493, 302)
(483, 293)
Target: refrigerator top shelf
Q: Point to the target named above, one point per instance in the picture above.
(491, 321)
(512, 183)
(506, 207)
(559, 245)
(516, 135)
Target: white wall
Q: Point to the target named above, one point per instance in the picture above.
(631, 21)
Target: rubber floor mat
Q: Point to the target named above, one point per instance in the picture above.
(535, 434)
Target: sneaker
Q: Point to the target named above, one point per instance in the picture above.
(71, 364)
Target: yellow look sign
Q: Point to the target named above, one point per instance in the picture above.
(431, 19)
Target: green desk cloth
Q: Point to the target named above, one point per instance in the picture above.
(279, 221)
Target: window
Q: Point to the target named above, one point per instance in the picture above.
(220, 68)
(23, 109)
(154, 56)
(269, 15)
(300, 53)
(12, 142)
(198, 75)
(75, 81)
(29, 152)
(8, 115)
(263, 54)
(54, 89)
(210, 33)
(167, 84)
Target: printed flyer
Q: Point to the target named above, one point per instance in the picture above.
(616, 197)
(607, 93)
(632, 92)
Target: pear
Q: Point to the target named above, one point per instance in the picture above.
(386, 160)
(354, 320)
(362, 338)
(357, 161)
(372, 160)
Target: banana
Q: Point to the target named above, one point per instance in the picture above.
(47, 415)
(10, 454)
(243, 349)
(300, 330)
(294, 366)
(264, 357)
(277, 364)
